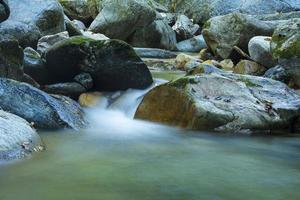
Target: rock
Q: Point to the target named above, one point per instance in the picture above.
(249, 67)
(34, 66)
(278, 16)
(4, 10)
(70, 89)
(204, 69)
(186, 62)
(90, 99)
(84, 10)
(113, 64)
(71, 28)
(154, 53)
(194, 44)
(202, 10)
(205, 54)
(28, 79)
(94, 36)
(116, 17)
(185, 28)
(224, 32)
(169, 18)
(29, 20)
(85, 79)
(17, 138)
(79, 24)
(157, 35)
(260, 51)
(36, 106)
(11, 58)
(160, 65)
(227, 64)
(278, 73)
(49, 40)
(285, 46)
(285, 42)
(222, 102)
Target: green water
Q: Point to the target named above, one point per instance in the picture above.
(136, 160)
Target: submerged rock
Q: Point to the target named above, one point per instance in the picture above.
(29, 20)
(113, 64)
(119, 19)
(17, 138)
(156, 35)
(38, 107)
(11, 58)
(223, 102)
(223, 33)
(154, 53)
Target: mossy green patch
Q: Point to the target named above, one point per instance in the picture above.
(248, 82)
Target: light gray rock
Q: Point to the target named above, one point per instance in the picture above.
(157, 35)
(119, 19)
(185, 28)
(195, 44)
(17, 138)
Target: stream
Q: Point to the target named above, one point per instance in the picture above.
(119, 158)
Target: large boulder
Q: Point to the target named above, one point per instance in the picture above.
(4, 10)
(38, 107)
(17, 138)
(223, 102)
(202, 10)
(119, 19)
(156, 35)
(222, 33)
(29, 20)
(84, 10)
(113, 64)
(260, 51)
(11, 58)
(285, 46)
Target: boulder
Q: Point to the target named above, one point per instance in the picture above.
(113, 64)
(71, 27)
(285, 46)
(4, 10)
(186, 62)
(222, 102)
(260, 51)
(223, 33)
(119, 19)
(84, 10)
(29, 20)
(249, 67)
(38, 107)
(278, 73)
(11, 58)
(49, 40)
(17, 138)
(185, 28)
(202, 10)
(84, 79)
(195, 44)
(157, 35)
(70, 89)
(34, 66)
(79, 24)
(94, 36)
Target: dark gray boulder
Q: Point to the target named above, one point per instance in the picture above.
(113, 64)
(36, 106)
(4, 10)
(70, 89)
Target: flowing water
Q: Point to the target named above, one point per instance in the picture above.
(118, 158)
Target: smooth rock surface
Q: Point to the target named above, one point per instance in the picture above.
(195, 44)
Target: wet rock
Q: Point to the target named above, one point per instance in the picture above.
(94, 36)
(154, 53)
(11, 58)
(29, 20)
(223, 33)
(113, 64)
(90, 99)
(186, 62)
(4, 10)
(185, 28)
(17, 138)
(49, 40)
(260, 51)
(278, 73)
(195, 44)
(204, 69)
(292, 67)
(85, 79)
(156, 35)
(38, 107)
(34, 66)
(249, 67)
(116, 17)
(70, 89)
(222, 102)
